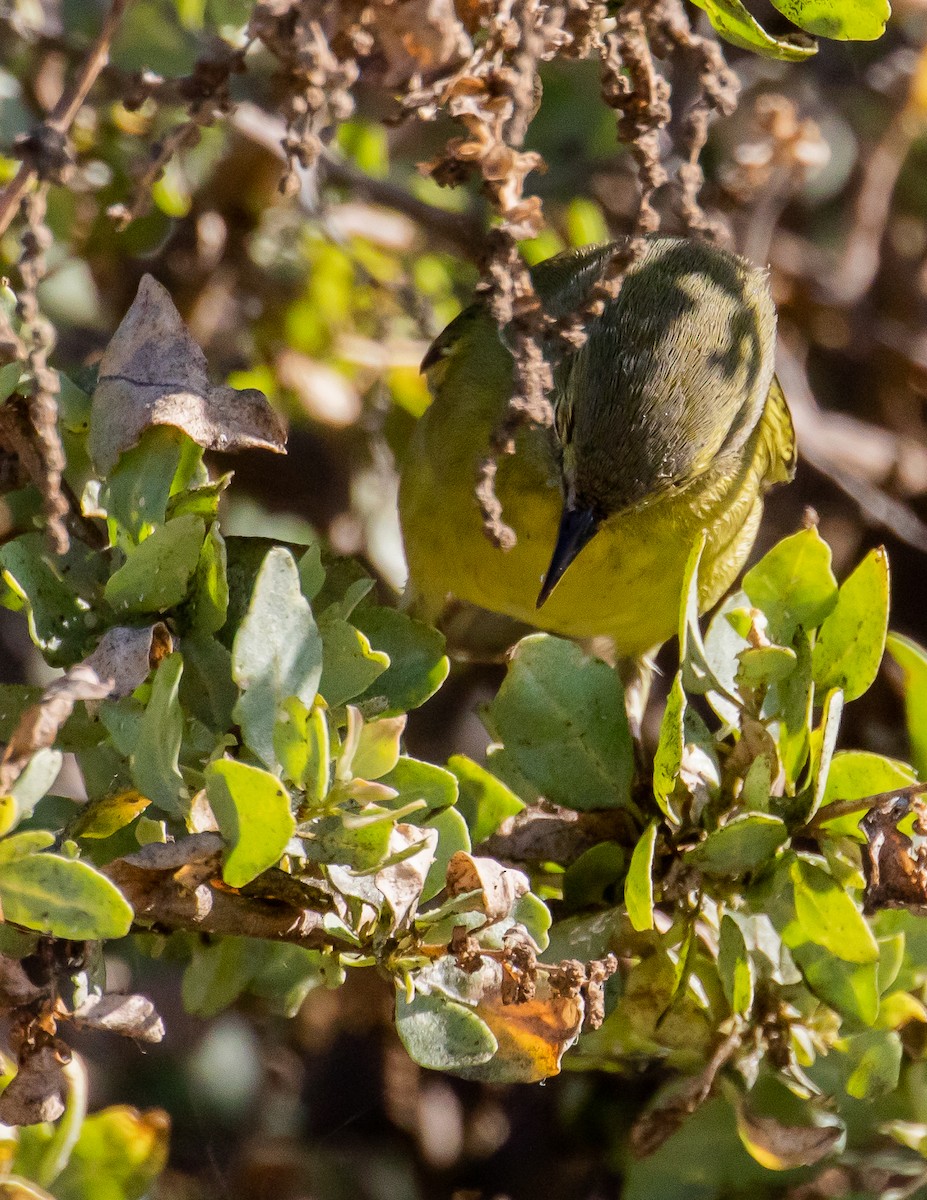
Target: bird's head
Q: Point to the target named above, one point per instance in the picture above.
(670, 382)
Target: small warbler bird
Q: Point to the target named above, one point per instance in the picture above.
(668, 421)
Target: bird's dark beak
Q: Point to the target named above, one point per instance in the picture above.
(577, 528)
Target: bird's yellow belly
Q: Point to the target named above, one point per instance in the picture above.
(625, 584)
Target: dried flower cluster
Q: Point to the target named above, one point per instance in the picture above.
(476, 61)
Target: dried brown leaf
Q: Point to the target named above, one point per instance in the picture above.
(153, 373)
(419, 37)
(500, 886)
(896, 871)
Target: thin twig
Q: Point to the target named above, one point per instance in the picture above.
(59, 121)
(461, 233)
(846, 808)
(820, 437)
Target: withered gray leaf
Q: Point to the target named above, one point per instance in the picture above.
(37, 1090)
(153, 373)
(131, 1016)
(126, 655)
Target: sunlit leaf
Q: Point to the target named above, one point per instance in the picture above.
(851, 641)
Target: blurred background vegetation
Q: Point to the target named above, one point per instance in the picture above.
(326, 300)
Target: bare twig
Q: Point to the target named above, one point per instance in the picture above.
(847, 808)
(848, 451)
(163, 901)
(50, 140)
(461, 233)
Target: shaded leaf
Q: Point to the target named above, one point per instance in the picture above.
(154, 761)
(746, 842)
(349, 664)
(277, 652)
(156, 574)
(561, 717)
(418, 664)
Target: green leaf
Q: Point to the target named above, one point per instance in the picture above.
(10, 375)
(484, 801)
(209, 601)
(119, 1154)
(855, 775)
(441, 1034)
(156, 574)
(735, 967)
(415, 780)
(912, 659)
(851, 641)
(875, 1056)
(349, 664)
(62, 594)
(638, 885)
(668, 758)
(793, 584)
(561, 716)
(792, 701)
(843, 20)
(64, 897)
(531, 912)
(823, 743)
(21, 845)
(828, 915)
(34, 782)
(136, 492)
(418, 664)
(737, 26)
(311, 572)
(219, 971)
(154, 761)
(277, 652)
(746, 842)
(252, 808)
(377, 750)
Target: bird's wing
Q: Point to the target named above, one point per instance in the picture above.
(780, 437)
